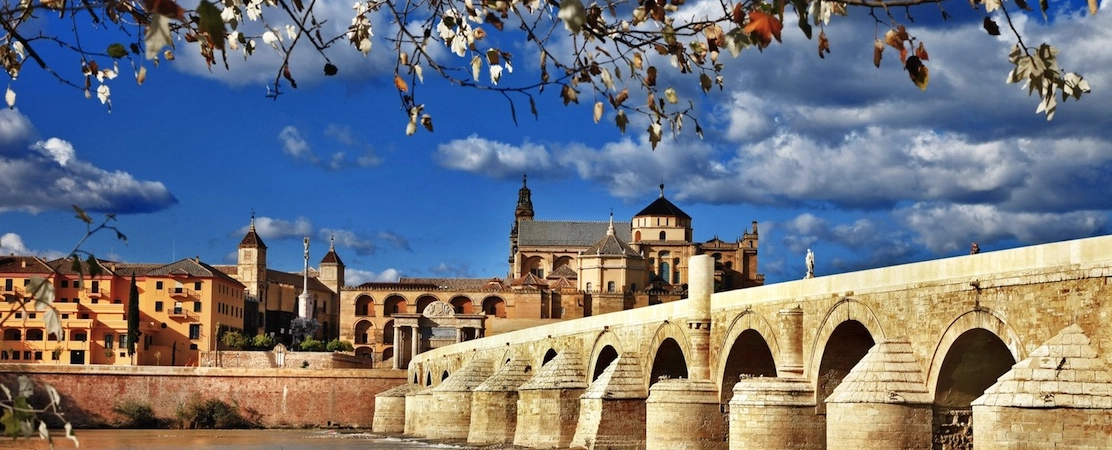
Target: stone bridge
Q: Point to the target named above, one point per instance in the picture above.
(1014, 342)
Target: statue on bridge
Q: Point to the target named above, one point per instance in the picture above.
(810, 265)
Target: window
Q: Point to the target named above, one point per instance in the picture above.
(662, 236)
(538, 272)
(194, 331)
(588, 287)
(38, 356)
(158, 306)
(8, 284)
(77, 284)
(15, 354)
(84, 316)
(177, 308)
(31, 315)
(65, 283)
(123, 341)
(108, 340)
(610, 287)
(196, 306)
(633, 287)
(158, 285)
(80, 337)
(197, 286)
(95, 288)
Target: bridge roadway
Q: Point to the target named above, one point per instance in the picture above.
(908, 356)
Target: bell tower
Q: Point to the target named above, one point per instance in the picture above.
(523, 211)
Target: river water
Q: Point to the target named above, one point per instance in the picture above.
(230, 440)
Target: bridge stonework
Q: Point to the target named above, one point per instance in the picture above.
(911, 356)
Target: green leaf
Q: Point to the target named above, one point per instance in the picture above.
(117, 51)
(211, 23)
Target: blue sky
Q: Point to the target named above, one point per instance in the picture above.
(830, 154)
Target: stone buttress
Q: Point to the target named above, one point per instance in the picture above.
(390, 409)
(548, 409)
(688, 413)
(450, 415)
(882, 403)
(685, 414)
(494, 404)
(612, 411)
(417, 410)
(767, 413)
(1060, 397)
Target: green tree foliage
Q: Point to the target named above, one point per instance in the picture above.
(310, 345)
(132, 317)
(262, 342)
(337, 345)
(611, 51)
(235, 339)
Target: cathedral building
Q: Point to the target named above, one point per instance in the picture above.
(557, 270)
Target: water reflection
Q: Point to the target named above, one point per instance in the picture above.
(220, 439)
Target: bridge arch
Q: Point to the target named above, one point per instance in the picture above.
(671, 337)
(850, 328)
(605, 350)
(749, 335)
(845, 310)
(959, 332)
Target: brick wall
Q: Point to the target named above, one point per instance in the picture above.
(291, 397)
(293, 360)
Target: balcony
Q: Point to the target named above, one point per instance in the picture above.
(179, 292)
(180, 313)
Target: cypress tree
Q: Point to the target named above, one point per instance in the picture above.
(132, 317)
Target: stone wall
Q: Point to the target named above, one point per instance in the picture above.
(293, 360)
(276, 397)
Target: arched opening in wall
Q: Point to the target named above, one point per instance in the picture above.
(428, 379)
(463, 305)
(415, 379)
(668, 362)
(388, 354)
(637, 236)
(562, 261)
(548, 356)
(444, 375)
(366, 353)
(605, 357)
(34, 334)
(393, 304)
(973, 363)
(849, 342)
(424, 301)
(533, 265)
(495, 306)
(364, 332)
(749, 357)
(13, 334)
(663, 236)
(364, 306)
(388, 333)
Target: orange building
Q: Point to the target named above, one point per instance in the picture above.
(183, 306)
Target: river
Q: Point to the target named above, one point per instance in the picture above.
(231, 440)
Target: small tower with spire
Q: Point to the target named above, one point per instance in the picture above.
(332, 268)
(522, 212)
(251, 262)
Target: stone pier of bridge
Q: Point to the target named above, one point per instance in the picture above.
(999, 350)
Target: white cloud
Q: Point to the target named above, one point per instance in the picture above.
(494, 159)
(48, 174)
(355, 277)
(952, 227)
(295, 145)
(12, 244)
(270, 228)
(345, 238)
